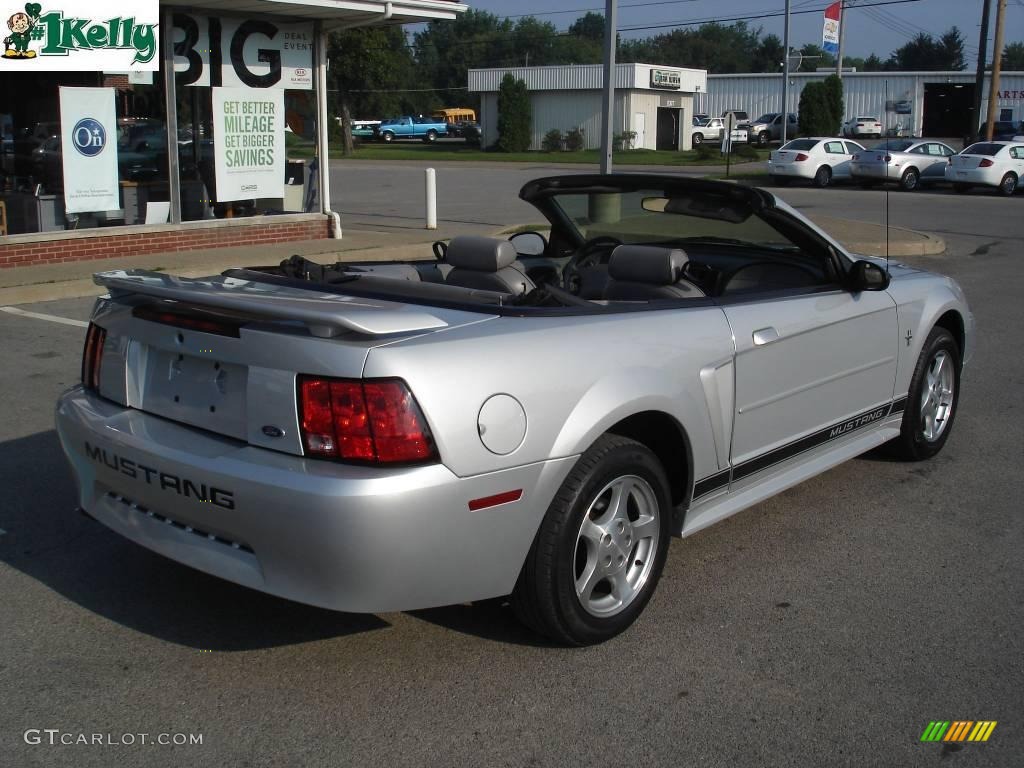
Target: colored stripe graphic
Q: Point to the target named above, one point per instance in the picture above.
(958, 730)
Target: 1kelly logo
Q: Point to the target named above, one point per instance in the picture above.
(60, 35)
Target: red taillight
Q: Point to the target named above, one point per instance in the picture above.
(92, 356)
(801, 157)
(373, 420)
(986, 163)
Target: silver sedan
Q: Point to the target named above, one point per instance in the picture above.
(911, 163)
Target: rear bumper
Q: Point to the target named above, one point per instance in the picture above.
(804, 170)
(986, 176)
(344, 537)
(874, 171)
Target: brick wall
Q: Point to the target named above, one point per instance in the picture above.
(107, 243)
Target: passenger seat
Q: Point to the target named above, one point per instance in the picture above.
(486, 264)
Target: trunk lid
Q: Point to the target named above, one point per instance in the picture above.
(222, 354)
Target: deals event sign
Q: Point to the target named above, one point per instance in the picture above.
(74, 36)
(248, 143)
(88, 142)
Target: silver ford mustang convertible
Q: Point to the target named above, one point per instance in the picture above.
(533, 417)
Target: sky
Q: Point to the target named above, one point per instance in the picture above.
(880, 29)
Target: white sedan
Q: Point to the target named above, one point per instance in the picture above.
(869, 127)
(819, 160)
(998, 164)
(910, 162)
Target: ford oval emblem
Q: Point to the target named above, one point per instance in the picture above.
(271, 431)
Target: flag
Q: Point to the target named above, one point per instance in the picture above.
(830, 34)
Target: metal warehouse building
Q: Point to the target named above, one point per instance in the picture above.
(654, 101)
(921, 103)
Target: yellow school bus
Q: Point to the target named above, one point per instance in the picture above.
(454, 115)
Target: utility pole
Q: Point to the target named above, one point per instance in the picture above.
(842, 34)
(608, 103)
(997, 65)
(979, 80)
(785, 76)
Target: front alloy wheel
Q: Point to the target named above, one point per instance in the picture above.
(910, 179)
(599, 552)
(823, 177)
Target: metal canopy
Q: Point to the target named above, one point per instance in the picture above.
(335, 13)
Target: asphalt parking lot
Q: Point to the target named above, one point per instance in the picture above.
(825, 627)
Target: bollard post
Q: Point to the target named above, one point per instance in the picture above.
(431, 183)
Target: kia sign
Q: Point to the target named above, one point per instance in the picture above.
(88, 144)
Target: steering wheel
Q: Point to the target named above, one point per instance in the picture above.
(770, 265)
(587, 255)
(440, 249)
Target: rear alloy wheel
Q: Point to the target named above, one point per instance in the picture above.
(910, 180)
(1008, 185)
(932, 400)
(431, 136)
(698, 139)
(601, 547)
(823, 177)
(961, 189)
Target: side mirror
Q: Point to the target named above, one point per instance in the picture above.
(868, 276)
(529, 243)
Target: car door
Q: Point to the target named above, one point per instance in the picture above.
(808, 361)
(838, 158)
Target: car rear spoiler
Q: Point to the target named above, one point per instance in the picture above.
(325, 315)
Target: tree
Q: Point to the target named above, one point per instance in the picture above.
(446, 51)
(815, 57)
(815, 113)
(873, 64)
(951, 49)
(1013, 57)
(769, 55)
(925, 53)
(834, 101)
(515, 115)
(589, 26)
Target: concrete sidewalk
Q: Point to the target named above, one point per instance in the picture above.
(27, 285)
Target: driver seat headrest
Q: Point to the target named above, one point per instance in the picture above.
(480, 254)
(650, 264)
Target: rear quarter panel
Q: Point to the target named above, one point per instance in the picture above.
(574, 376)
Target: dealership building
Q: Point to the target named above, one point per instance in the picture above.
(191, 148)
(654, 102)
(933, 104)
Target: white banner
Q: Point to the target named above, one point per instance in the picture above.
(88, 142)
(234, 52)
(81, 37)
(248, 143)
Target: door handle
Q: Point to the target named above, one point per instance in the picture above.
(765, 336)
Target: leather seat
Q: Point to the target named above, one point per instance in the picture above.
(486, 264)
(644, 272)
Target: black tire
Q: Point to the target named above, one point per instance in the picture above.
(913, 443)
(762, 139)
(1008, 185)
(387, 137)
(697, 139)
(910, 180)
(431, 136)
(961, 189)
(822, 177)
(545, 597)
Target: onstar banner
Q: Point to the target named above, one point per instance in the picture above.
(248, 143)
(88, 143)
(830, 34)
(75, 36)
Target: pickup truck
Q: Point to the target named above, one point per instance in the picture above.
(406, 127)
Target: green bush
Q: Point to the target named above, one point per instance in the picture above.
(707, 151)
(552, 141)
(834, 100)
(623, 141)
(574, 140)
(815, 112)
(745, 151)
(515, 115)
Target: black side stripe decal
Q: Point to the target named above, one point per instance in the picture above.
(759, 463)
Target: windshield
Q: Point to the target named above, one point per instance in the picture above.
(982, 149)
(801, 144)
(648, 216)
(896, 145)
(767, 118)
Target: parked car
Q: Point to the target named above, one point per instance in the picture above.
(910, 162)
(463, 129)
(819, 160)
(406, 127)
(711, 129)
(365, 129)
(998, 164)
(866, 127)
(298, 429)
(699, 118)
(1002, 130)
(768, 127)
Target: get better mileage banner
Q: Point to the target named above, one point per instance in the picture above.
(248, 143)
